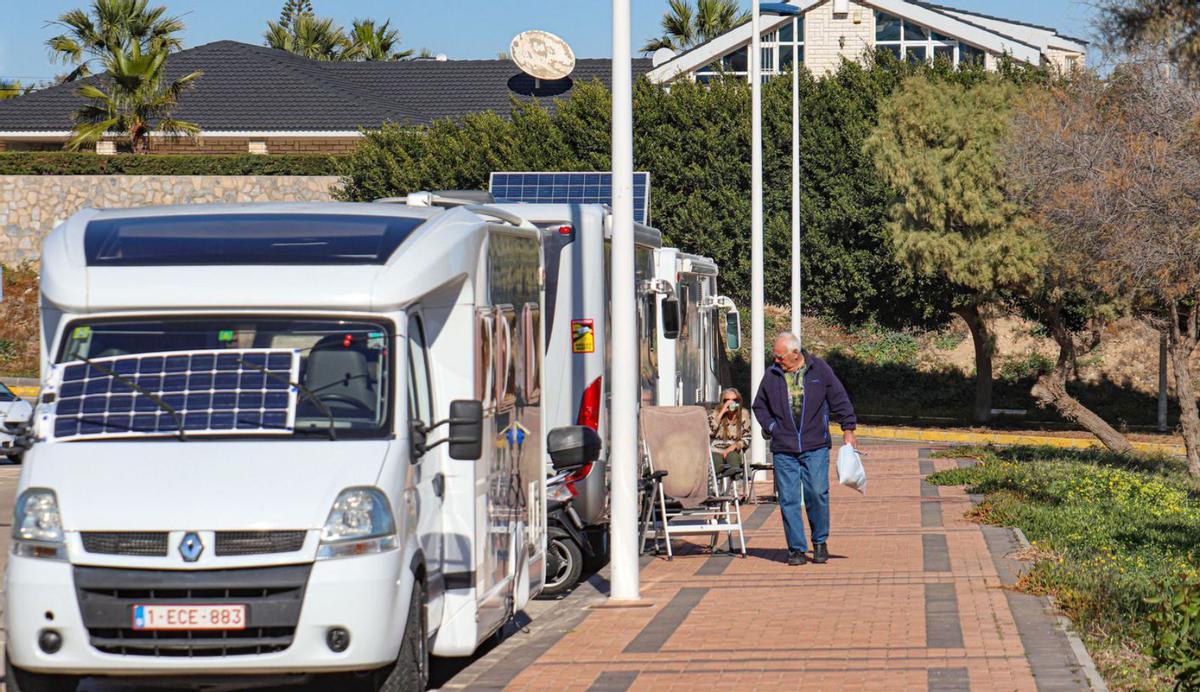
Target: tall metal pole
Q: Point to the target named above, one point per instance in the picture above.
(623, 426)
(797, 278)
(758, 450)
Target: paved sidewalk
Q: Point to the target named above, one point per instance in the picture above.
(912, 598)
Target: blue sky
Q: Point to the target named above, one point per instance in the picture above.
(458, 28)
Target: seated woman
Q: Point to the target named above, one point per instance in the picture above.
(729, 427)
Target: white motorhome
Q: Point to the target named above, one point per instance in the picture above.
(577, 247)
(238, 469)
(690, 366)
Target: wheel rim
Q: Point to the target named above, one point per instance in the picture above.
(564, 563)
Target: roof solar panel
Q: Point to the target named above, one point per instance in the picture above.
(212, 392)
(594, 187)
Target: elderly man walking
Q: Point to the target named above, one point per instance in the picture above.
(796, 399)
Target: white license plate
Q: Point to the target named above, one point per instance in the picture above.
(189, 617)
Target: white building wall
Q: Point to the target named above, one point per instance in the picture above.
(829, 37)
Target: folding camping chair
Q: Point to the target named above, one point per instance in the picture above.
(688, 498)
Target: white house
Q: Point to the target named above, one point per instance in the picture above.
(828, 31)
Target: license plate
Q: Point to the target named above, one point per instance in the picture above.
(189, 617)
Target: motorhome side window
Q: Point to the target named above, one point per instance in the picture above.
(684, 302)
(344, 367)
(531, 325)
(507, 349)
(485, 363)
(420, 400)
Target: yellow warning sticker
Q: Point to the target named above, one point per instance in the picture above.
(583, 336)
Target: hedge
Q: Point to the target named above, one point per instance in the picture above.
(70, 163)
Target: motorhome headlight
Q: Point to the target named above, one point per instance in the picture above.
(37, 529)
(359, 523)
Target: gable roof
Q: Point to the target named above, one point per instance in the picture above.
(248, 88)
(944, 20)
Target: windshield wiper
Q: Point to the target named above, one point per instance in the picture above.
(141, 390)
(308, 393)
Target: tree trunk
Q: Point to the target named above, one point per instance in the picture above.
(985, 348)
(1181, 343)
(1051, 390)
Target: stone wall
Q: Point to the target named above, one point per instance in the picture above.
(32, 205)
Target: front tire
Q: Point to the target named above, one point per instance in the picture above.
(411, 669)
(17, 680)
(569, 559)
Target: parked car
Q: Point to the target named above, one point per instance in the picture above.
(12, 407)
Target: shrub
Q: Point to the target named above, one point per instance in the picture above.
(1118, 544)
(1175, 632)
(71, 163)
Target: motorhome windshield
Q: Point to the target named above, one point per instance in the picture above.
(223, 239)
(344, 363)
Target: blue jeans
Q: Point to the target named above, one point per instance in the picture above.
(807, 472)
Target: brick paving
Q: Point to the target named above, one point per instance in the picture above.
(911, 599)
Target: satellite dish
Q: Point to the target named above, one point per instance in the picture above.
(542, 55)
(661, 56)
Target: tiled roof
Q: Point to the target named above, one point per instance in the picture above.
(252, 88)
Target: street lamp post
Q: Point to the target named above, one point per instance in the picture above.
(758, 452)
(785, 9)
(623, 429)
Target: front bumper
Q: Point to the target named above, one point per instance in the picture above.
(367, 595)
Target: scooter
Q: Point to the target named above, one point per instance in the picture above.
(567, 544)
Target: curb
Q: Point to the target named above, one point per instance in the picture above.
(1000, 439)
(1086, 664)
(26, 392)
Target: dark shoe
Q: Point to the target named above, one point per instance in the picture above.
(797, 558)
(820, 554)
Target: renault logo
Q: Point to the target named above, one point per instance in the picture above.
(191, 547)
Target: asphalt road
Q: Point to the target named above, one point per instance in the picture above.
(442, 673)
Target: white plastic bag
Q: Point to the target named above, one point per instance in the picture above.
(850, 469)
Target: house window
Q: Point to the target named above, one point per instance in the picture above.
(106, 147)
(780, 48)
(909, 41)
(258, 146)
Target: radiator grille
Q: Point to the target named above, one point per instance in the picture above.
(141, 543)
(258, 542)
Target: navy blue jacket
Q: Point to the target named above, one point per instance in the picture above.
(824, 397)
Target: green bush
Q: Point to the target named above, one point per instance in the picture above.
(1116, 540)
(1175, 632)
(71, 163)
(1031, 365)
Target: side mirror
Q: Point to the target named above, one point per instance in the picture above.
(572, 446)
(466, 429)
(670, 318)
(733, 330)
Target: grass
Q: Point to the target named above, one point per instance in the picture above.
(1108, 530)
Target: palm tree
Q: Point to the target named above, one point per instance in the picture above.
(10, 90)
(136, 103)
(309, 36)
(685, 26)
(370, 42)
(110, 27)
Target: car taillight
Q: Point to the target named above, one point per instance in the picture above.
(589, 407)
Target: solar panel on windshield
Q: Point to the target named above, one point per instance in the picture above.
(579, 188)
(212, 392)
